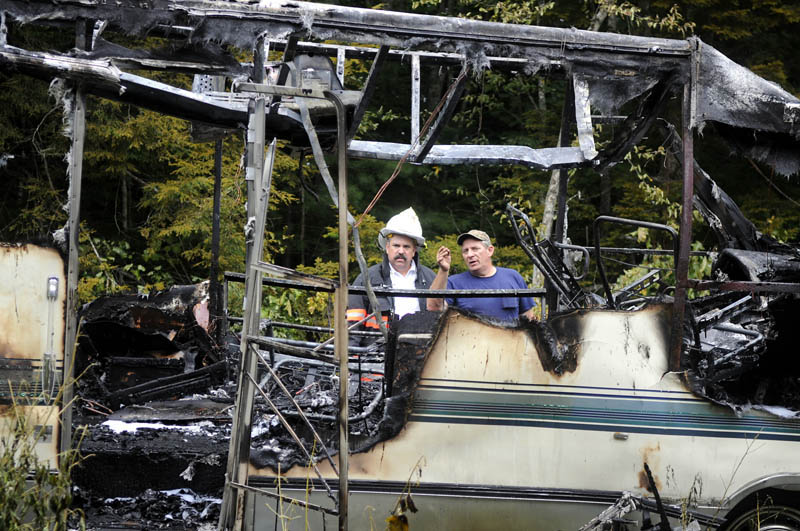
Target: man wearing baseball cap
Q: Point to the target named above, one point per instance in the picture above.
(477, 251)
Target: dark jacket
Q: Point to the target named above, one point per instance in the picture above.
(380, 277)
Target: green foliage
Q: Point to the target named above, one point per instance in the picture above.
(374, 119)
(760, 34)
(297, 306)
(146, 206)
(670, 23)
(113, 267)
(31, 159)
(655, 198)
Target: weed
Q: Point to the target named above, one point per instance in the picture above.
(398, 521)
(34, 496)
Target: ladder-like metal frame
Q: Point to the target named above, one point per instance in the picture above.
(259, 182)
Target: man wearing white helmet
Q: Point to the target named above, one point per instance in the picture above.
(400, 269)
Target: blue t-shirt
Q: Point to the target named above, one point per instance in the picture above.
(503, 308)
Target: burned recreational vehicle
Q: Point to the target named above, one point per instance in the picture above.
(467, 423)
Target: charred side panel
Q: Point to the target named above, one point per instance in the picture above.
(556, 343)
(410, 341)
(32, 299)
(559, 340)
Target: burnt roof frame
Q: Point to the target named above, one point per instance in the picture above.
(583, 55)
(436, 39)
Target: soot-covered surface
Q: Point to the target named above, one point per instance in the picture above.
(373, 416)
(153, 396)
(175, 510)
(743, 355)
(161, 451)
(136, 348)
(139, 454)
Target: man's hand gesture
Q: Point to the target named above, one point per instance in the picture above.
(443, 259)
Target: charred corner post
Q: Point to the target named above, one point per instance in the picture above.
(304, 101)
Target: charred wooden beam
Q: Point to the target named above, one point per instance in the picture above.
(745, 286)
(178, 385)
(207, 59)
(103, 79)
(77, 121)
(638, 123)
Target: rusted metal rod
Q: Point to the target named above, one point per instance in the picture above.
(269, 494)
(340, 323)
(685, 238)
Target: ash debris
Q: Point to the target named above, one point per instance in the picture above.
(174, 510)
(743, 354)
(316, 391)
(157, 395)
(380, 391)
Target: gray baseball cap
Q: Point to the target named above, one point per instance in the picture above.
(475, 234)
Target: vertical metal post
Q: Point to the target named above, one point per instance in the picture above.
(239, 452)
(567, 119)
(340, 324)
(367, 90)
(215, 290)
(685, 239)
(415, 82)
(233, 501)
(583, 116)
(75, 172)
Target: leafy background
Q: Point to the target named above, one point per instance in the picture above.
(147, 193)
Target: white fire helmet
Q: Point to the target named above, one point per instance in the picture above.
(406, 223)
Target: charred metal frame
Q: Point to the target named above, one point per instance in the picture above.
(272, 24)
(634, 223)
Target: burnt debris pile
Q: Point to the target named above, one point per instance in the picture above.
(135, 348)
(154, 391)
(177, 509)
(158, 397)
(380, 392)
(316, 390)
(745, 342)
